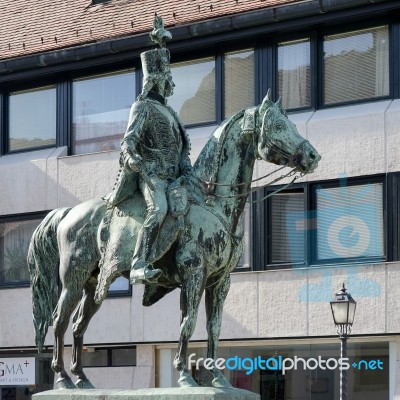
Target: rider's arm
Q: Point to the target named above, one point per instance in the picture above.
(130, 145)
(185, 164)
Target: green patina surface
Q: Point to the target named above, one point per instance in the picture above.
(166, 224)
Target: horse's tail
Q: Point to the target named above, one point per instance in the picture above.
(43, 262)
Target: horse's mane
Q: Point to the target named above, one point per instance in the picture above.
(207, 163)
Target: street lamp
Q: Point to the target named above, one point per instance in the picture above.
(343, 309)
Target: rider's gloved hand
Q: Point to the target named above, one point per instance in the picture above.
(134, 162)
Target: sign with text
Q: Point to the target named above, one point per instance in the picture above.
(17, 371)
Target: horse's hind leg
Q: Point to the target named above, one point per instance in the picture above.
(87, 308)
(66, 304)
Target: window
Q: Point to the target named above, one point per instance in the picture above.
(14, 242)
(32, 119)
(123, 357)
(356, 65)
(321, 223)
(287, 240)
(194, 92)
(239, 81)
(294, 77)
(92, 357)
(244, 263)
(120, 287)
(109, 357)
(349, 222)
(101, 107)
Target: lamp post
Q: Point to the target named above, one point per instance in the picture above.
(343, 308)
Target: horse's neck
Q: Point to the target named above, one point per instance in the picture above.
(228, 160)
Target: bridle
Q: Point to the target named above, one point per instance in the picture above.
(208, 187)
(272, 145)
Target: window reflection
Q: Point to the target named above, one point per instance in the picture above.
(294, 73)
(285, 246)
(101, 107)
(32, 118)
(239, 81)
(121, 284)
(14, 243)
(350, 222)
(194, 92)
(356, 65)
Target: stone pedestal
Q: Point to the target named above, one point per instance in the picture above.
(198, 393)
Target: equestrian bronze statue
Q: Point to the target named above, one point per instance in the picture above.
(194, 244)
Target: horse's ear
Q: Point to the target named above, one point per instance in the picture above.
(267, 103)
(280, 106)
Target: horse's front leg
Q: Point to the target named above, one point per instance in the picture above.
(191, 293)
(215, 298)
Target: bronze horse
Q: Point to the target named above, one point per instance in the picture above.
(206, 243)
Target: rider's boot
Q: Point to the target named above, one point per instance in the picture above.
(141, 270)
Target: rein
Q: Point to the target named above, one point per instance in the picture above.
(208, 187)
(291, 173)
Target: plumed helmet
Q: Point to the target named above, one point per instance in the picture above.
(157, 61)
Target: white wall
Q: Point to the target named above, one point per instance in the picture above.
(266, 304)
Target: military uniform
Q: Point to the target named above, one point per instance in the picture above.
(155, 134)
(157, 147)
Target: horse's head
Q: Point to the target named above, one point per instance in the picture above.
(279, 142)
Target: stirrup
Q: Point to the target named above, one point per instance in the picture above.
(146, 274)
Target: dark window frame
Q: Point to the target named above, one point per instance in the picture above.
(67, 134)
(317, 61)
(357, 181)
(261, 228)
(23, 284)
(112, 294)
(20, 218)
(311, 35)
(275, 265)
(240, 267)
(109, 351)
(218, 55)
(348, 29)
(4, 114)
(261, 224)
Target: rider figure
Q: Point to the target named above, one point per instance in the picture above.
(156, 147)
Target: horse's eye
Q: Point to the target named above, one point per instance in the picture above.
(279, 126)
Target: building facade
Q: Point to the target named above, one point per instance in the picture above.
(69, 72)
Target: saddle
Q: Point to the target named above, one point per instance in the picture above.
(119, 228)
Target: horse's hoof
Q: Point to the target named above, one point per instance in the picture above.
(187, 381)
(65, 383)
(221, 382)
(84, 384)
